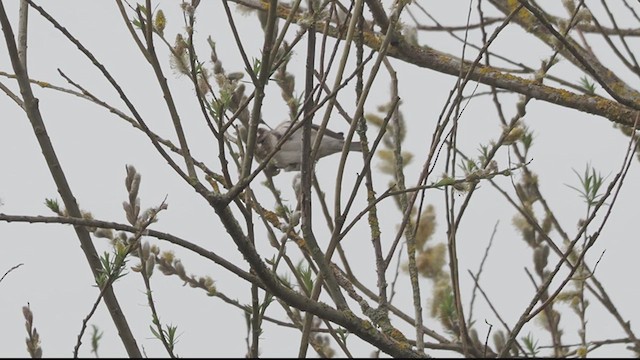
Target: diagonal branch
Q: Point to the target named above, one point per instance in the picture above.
(35, 117)
(429, 58)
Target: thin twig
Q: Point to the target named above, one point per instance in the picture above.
(10, 270)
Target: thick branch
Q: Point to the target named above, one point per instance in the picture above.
(448, 64)
(35, 117)
(361, 328)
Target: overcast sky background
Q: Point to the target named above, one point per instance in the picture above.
(93, 147)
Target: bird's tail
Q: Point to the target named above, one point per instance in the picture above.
(355, 146)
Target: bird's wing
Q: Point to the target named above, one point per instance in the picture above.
(282, 128)
(294, 141)
(327, 132)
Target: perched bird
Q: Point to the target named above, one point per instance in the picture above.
(289, 156)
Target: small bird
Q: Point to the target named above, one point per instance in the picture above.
(289, 156)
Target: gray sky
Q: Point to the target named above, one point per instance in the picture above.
(93, 147)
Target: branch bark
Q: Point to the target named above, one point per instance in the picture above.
(429, 58)
(33, 113)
